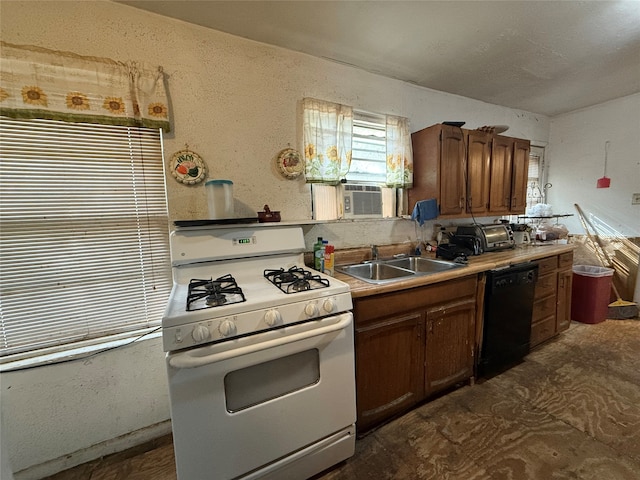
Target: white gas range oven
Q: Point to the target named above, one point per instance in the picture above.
(260, 356)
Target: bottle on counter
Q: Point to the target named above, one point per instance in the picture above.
(329, 258)
(318, 255)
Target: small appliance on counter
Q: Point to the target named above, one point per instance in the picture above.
(521, 233)
(490, 237)
(472, 243)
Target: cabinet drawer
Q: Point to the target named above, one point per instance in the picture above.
(546, 285)
(544, 307)
(384, 305)
(542, 330)
(565, 260)
(547, 265)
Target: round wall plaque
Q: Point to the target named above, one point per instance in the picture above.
(187, 167)
(290, 163)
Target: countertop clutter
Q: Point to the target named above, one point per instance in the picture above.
(477, 264)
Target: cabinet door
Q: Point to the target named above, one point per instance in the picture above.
(389, 359)
(501, 162)
(478, 163)
(520, 176)
(452, 191)
(450, 331)
(563, 308)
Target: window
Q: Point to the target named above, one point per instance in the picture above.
(84, 239)
(535, 182)
(368, 166)
(369, 149)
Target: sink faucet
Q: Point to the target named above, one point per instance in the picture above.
(374, 252)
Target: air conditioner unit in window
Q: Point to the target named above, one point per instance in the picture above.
(361, 201)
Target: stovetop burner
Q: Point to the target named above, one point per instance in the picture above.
(213, 293)
(295, 279)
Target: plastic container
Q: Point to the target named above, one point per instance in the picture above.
(590, 293)
(220, 198)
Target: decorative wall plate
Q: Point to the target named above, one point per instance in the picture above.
(290, 163)
(187, 167)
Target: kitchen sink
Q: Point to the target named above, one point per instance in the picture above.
(375, 272)
(423, 265)
(385, 271)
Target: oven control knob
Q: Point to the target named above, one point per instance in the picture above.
(226, 328)
(311, 310)
(329, 305)
(272, 317)
(201, 333)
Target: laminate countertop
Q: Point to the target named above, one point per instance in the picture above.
(476, 264)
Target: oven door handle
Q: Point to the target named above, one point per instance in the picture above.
(188, 359)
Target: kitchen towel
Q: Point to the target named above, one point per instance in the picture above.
(425, 210)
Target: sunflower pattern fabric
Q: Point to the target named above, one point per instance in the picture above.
(327, 137)
(399, 152)
(41, 83)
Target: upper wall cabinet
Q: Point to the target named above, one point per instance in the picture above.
(438, 169)
(478, 173)
(509, 171)
(469, 172)
(520, 175)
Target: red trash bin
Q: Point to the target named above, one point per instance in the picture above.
(590, 293)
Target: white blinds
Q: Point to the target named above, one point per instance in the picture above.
(84, 232)
(368, 158)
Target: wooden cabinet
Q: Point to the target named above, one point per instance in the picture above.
(411, 344)
(501, 177)
(478, 164)
(439, 150)
(469, 172)
(509, 175)
(552, 300)
(389, 359)
(450, 330)
(520, 175)
(565, 282)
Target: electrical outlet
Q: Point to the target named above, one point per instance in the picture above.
(635, 199)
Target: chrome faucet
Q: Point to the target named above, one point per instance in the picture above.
(374, 252)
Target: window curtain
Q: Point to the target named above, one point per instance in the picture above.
(327, 137)
(54, 85)
(399, 152)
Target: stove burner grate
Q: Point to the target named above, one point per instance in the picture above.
(213, 293)
(295, 279)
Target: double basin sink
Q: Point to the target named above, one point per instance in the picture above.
(385, 271)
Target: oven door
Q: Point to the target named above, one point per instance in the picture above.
(244, 406)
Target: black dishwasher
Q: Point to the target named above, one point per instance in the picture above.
(508, 305)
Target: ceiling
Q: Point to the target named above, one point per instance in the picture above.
(546, 57)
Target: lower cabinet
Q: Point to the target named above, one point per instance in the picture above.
(389, 359)
(552, 301)
(565, 283)
(450, 331)
(412, 344)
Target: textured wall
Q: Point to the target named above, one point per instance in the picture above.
(576, 157)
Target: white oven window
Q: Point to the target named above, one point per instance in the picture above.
(256, 384)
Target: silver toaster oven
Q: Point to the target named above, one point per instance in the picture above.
(491, 237)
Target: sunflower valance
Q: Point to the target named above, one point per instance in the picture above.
(42, 83)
